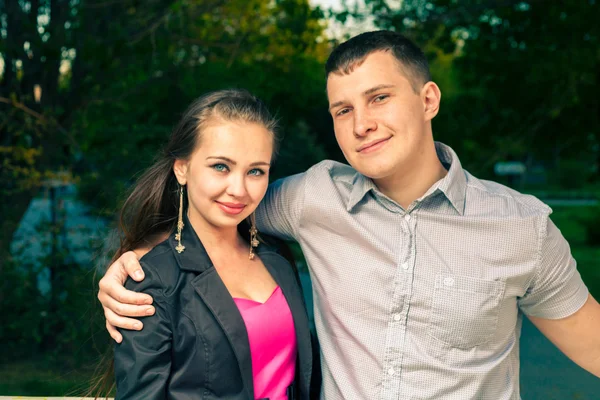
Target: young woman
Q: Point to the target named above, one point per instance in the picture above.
(230, 319)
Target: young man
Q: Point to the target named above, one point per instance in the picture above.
(421, 272)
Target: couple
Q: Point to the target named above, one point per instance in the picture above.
(421, 273)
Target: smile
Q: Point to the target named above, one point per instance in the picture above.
(372, 146)
(231, 208)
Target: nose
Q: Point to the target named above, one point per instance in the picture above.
(364, 123)
(237, 185)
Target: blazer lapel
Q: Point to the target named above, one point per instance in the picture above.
(213, 292)
(285, 278)
(211, 289)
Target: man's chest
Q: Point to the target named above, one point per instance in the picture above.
(452, 279)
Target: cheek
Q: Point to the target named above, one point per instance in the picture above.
(257, 189)
(205, 186)
(344, 137)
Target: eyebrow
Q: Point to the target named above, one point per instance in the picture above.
(365, 93)
(230, 161)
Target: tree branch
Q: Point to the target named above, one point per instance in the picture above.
(153, 27)
(41, 118)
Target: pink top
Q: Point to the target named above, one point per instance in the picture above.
(272, 338)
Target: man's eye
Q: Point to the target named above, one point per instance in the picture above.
(220, 167)
(256, 172)
(380, 98)
(343, 111)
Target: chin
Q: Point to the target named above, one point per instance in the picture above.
(225, 223)
(373, 173)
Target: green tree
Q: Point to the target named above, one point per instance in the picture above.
(91, 88)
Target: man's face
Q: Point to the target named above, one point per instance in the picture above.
(380, 123)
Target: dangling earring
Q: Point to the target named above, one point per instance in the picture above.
(180, 248)
(253, 236)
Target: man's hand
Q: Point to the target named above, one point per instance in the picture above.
(118, 302)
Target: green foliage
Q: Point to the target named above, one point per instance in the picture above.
(574, 173)
(51, 344)
(63, 324)
(579, 225)
(589, 268)
(42, 377)
(59, 323)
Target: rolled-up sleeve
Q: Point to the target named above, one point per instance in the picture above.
(143, 358)
(557, 291)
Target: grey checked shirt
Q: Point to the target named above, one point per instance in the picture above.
(423, 303)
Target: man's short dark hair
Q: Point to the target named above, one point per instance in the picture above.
(353, 52)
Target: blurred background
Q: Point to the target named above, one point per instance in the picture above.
(89, 90)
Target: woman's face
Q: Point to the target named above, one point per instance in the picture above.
(228, 174)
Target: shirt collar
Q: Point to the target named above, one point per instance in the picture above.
(453, 185)
(361, 185)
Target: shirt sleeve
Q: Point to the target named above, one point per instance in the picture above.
(557, 291)
(280, 211)
(143, 358)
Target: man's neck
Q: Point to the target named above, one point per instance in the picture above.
(406, 186)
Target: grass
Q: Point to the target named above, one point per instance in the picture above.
(40, 378)
(588, 264)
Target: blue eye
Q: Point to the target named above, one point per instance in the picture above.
(220, 167)
(256, 172)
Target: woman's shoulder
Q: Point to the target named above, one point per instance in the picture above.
(159, 253)
(281, 251)
(160, 269)
(271, 244)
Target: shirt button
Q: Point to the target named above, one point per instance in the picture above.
(407, 217)
(397, 317)
(404, 265)
(449, 281)
(391, 371)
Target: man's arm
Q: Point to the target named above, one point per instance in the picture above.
(577, 336)
(279, 212)
(559, 304)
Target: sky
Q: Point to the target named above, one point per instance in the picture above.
(352, 27)
(326, 3)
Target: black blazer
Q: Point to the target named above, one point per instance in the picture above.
(196, 345)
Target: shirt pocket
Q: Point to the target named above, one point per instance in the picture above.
(464, 312)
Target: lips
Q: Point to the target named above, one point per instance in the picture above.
(372, 145)
(231, 208)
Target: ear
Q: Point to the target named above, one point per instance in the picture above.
(180, 168)
(431, 96)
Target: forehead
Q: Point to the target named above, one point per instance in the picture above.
(378, 68)
(239, 139)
